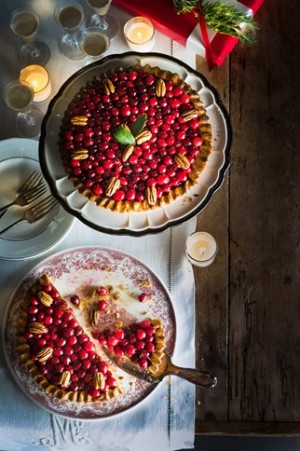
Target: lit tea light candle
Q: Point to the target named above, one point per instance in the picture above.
(38, 78)
(139, 33)
(201, 248)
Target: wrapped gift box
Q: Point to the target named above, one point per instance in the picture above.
(184, 28)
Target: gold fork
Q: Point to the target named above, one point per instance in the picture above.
(38, 211)
(28, 192)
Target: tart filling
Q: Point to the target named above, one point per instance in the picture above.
(135, 139)
(142, 342)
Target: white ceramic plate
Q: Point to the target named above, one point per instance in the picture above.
(18, 159)
(143, 222)
(71, 270)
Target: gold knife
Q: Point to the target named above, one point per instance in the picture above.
(167, 367)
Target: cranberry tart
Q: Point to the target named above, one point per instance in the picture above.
(135, 139)
(59, 341)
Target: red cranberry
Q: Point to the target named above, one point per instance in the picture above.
(75, 300)
(102, 366)
(102, 306)
(97, 190)
(118, 351)
(88, 346)
(150, 330)
(102, 290)
(197, 142)
(150, 347)
(32, 309)
(112, 341)
(94, 393)
(139, 345)
(102, 340)
(143, 297)
(111, 382)
(83, 354)
(48, 320)
(119, 334)
(130, 350)
(47, 287)
(144, 363)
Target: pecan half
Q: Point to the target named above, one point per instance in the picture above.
(151, 195)
(37, 328)
(44, 298)
(44, 354)
(94, 316)
(99, 381)
(127, 153)
(64, 379)
(182, 161)
(80, 154)
(142, 137)
(189, 115)
(113, 186)
(160, 87)
(108, 86)
(79, 120)
(125, 127)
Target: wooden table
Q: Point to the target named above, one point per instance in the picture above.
(248, 301)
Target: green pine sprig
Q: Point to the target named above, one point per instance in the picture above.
(222, 18)
(227, 19)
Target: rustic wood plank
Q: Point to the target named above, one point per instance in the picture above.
(248, 334)
(211, 302)
(265, 222)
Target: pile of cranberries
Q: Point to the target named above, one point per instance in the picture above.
(70, 348)
(152, 163)
(136, 341)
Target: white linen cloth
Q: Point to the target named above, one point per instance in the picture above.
(163, 421)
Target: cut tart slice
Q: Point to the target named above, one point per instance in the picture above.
(143, 343)
(56, 350)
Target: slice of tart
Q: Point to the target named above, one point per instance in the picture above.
(142, 342)
(57, 351)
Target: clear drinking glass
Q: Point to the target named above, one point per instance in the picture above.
(18, 96)
(24, 23)
(102, 19)
(94, 43)
(70, 16)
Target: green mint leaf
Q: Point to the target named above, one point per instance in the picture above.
(138, 125)
(124, 136)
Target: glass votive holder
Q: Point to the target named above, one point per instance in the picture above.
(201, 249)
(139, 33)
(38, 78)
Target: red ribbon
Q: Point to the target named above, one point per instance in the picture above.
(206, 41)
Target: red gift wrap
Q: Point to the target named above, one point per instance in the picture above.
(180, 27)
